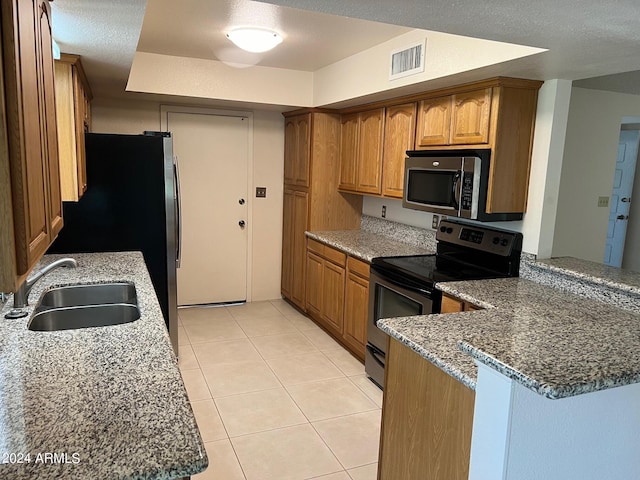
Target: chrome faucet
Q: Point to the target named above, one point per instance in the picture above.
(21, 297)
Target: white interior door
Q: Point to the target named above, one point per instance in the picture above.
(212, 153)
(621, 196)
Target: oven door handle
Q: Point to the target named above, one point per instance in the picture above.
(391, 279)
(376, 355)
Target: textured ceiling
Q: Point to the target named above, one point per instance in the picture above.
(586, 38)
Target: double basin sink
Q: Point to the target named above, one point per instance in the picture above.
(82, 306)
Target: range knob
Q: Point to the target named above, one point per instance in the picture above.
(504, 242)
(449, 230)
(496, 240)
(443, 229)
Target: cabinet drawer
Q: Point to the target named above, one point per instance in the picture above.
(335, 256)
(315, 247)
(358, 267)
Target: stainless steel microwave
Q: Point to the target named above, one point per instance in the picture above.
(450, 182)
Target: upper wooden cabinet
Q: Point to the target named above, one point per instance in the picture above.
(73, 111)
(297, 150)
(30, 180)
(399, 135)
(361, 151)
(458, 119)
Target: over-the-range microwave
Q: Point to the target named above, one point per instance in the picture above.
(450, 182)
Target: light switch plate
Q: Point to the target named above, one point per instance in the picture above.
(261, 192)
(435, 221)
(603, 201)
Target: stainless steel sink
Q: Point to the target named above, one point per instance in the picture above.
(83, 306)
(83, 317)
(98, 294)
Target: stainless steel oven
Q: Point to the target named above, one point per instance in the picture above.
(390, 296)
(406, 286)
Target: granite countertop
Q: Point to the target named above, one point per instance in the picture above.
(619, 278)
(555, 343)
(110, 398)
(366, 245)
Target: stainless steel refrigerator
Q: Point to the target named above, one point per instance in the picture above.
(131, 204)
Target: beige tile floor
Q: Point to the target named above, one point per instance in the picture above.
(275, 397)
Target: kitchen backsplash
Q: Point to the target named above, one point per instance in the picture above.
(399, 231)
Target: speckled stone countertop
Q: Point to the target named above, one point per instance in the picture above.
(619, 278)
(554, 343)
(379, 238)
(110, 398)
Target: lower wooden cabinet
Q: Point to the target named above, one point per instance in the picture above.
(356, 305)
(337, 294)
(427, 419)
(296, 211)
(453, 305)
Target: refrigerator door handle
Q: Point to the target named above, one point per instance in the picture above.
(176, 197)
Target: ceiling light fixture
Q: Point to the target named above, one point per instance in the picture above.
(254, 40)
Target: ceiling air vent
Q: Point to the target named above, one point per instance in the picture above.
(407, 61)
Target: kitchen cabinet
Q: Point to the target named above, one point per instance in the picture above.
(311, 197)
(325, 285)
(454, 305)
(458, 119)
(338, 294)
(361, 144)
(427, 419)
(399, 136)
(73, 113)
(297, 153)
(497, 114)
(356, 305)
(30, 182)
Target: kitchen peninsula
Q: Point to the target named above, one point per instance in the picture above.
(108, 400)
(540, 365)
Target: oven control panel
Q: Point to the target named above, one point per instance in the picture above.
(491, 240)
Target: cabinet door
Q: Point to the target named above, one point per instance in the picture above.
(303, 155)
(370, 137)
(315, 265)
(300, 215)
(451, 305)
(333, 296)
(356, 312)
(470, 117)
(348, 152)
(81, 126)
(399, 136)
(290, 150)
(287, 244)
(434, 122)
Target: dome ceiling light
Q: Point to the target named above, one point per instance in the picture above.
(255, 40)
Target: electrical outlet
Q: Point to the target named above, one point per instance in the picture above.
(435, 220)
(261, 192)
(603, 201)
(384, 211)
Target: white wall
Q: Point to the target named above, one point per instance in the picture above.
(134, 117)
(588, 167)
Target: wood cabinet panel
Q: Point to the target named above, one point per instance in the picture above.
(434, 122)
(427, 419)
(356, 305)
(73, 96)
(299, 242)
(470, 117)
(287, 244)
(297, 155)
(451, 305)
(370, 137)
(315, 266)
(349, 142)
(399, 136)
(31, 137)
(333, 296)
(290, 150)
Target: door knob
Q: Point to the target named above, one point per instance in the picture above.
(241, 201)
(625, 200)
(622, 217)
(241, 223)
